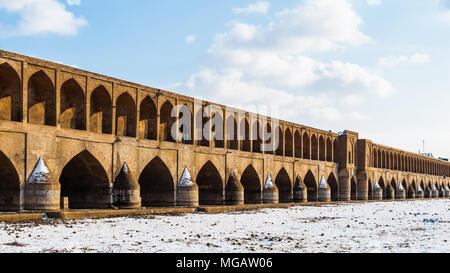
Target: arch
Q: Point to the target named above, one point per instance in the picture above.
(329, 150)
(370, 189)
(9, 185)
(284, 186)
(268, 143)
(232, 132)
(125, 116)
(10, 94)
(210, 185)
(354, 189)
(41, 100)
(252, 186)
(101, 111)
(306, 146)
(72, 108)
(335, 150)
(186, 128)
(85, 182)
(280, 148)
(288, 150)
(412, 190)
(257, 137)
(148, 119)
(382, 186)
(217, 133)
(166, 122)
(311, 184)
(380, 159)
(157, 186)
(322, 154)
(298, 144)
(334, 186)
(245, 135)
(314, 148)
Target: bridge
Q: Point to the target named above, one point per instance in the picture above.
(74, 139)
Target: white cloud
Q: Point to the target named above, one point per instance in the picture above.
(373, 2)
(74, 2)
(190, 39)
(40, 17)
(258, 7)
(393, 61)
(269, 64)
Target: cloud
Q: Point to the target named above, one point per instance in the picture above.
(271, 64)
(393, 61)
(373, 2)
(190, 39)
(258, 7)
(74, 2)
(38, 17)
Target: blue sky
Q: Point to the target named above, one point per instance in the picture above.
(378, 67)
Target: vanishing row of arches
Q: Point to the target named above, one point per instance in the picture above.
(385, 159)
(239, 132)
(85, 182)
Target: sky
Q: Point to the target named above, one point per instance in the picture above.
(377, 67)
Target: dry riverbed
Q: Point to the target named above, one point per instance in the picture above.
(419, 226)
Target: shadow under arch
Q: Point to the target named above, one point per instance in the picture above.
(311, 184)
(284, 186)
(210, 185)
(334, 186)
(101, 111)
(9, 185)
(157, 186)
(148, 119)
(10, 94)
(41, 100)
(72, 108)
(85, 182)
(252, 186)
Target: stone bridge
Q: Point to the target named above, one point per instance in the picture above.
(72, 138)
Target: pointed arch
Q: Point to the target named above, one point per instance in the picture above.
(306, 146)
(125, 116)
(329, 150)
(72, 108)
(85, 182)
(257, 136)
(148, 119)
(41, 100)
(9, 185)
(412, 190)
(335, 150)
(252, 186)
(232, 132)
(322, 154)
(311, 184)
(245, 135)
(210, 185)
(382, 186)
(298, 144)
(166, 122)
(10, 94)
(217, 133)
(288, 150)
(284, 186)
(334, 186)
(280, 148)
(314, 148)
(269, 136)
(101, 111)
(157, 185)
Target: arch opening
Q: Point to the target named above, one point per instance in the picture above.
(210, 185)
(334, 186)
(252, 186)
(73, 113)
(166, 122)
(157, 186)
(354, 189)
(10, 94)
(284, 186)
(84, 181)
(311, 185)
(288, 150)
(125, 116)
(314, 148)
(41, 100)
(101, 111)
(148, 119)
(322, 154)
(9, 185)
(298, 145)
(306, 146)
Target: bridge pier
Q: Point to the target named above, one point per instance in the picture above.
(270, 192)
(234, 191)
(126, 190)
(300, 194)
(187, 191)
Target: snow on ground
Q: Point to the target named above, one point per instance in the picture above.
(419, 226)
